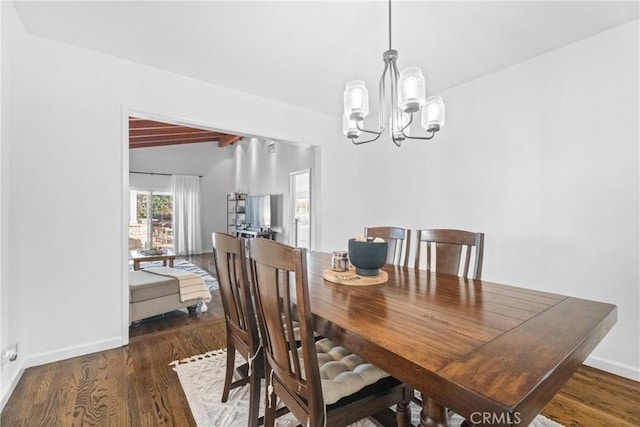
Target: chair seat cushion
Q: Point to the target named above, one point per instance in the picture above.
(343, 373)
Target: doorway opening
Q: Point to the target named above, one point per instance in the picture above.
(300, 185)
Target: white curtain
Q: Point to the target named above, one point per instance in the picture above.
(186, 214)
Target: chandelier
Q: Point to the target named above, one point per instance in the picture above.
(406, 90)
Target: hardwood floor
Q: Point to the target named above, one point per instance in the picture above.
(135, 386)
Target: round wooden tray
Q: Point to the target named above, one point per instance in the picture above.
(350, 278)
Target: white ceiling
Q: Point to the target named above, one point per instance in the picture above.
(303, 52)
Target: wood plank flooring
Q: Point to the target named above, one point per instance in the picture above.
(135, 386)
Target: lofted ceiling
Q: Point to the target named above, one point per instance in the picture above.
(303, 52)
(145, 133)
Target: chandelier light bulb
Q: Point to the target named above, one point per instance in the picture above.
(411, 90)
(349, 127)
(396, 131)
(433, 114)
(356, 100)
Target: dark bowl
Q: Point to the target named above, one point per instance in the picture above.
(367, 257)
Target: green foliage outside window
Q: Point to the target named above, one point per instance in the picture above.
(162, 207)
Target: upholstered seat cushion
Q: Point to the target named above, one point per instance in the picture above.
(296, 331)
(343, 373)
(145, 286)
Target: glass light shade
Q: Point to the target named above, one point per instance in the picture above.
(396, 132)
(411, 92)
(356, 100)
(433, 114)
(349, 127)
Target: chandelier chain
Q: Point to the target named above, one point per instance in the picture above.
(389, 24)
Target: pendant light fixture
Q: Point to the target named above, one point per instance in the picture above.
(406, 91)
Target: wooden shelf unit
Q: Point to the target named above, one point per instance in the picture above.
(236, 211)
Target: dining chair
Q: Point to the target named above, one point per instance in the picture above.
(398, 239)
(448, 248)
(242, 328)
(320, 382)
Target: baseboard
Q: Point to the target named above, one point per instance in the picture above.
(74, 351)
(13, 382)
(626, 371)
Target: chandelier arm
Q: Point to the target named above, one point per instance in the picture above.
(353, 139)
(396, 75)
(433, 133)
(361, 129)
(395, 141)
(393, 79)
(408, 123)
(415, 137)
(382, 99)
(394, 97)
(396, 114)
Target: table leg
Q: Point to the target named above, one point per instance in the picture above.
(171, 262)
(432, 414)
(403, 413)
(136, 265)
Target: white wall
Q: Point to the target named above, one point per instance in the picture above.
(257, 172)
(543, 158)
(212, 163)
(217, 182)
(555, 176)
(12, 120)
(3, 283)
(69, 141)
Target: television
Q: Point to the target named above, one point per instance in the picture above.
(263, 212)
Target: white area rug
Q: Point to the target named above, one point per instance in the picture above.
(202, 379)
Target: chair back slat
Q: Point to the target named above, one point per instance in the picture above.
(448, 258)
(448, 248)
(467, 261)
(398, 240)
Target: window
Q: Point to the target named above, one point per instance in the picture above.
(151, 220)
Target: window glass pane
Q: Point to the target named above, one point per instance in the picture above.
(138, 224)
(162, 220)
(151, 222)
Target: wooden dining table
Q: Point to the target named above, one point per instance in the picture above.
(493, 353)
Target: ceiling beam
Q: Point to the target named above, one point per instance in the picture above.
(148, 133)
(177, 138)
(163, 143)
(228, 140)
(134, 133)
